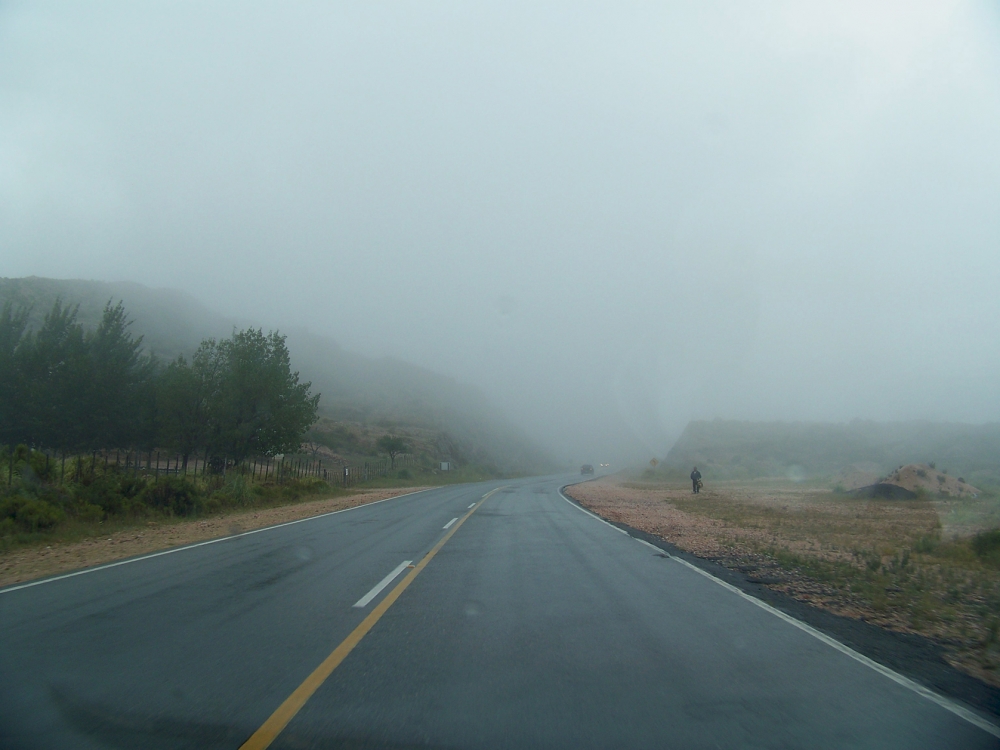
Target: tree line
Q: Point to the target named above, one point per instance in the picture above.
(69, 390)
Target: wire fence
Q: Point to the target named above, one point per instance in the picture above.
(351, 475)
(277, 469)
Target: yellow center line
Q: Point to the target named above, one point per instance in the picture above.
(277, 721)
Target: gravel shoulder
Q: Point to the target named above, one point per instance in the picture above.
(28, 564)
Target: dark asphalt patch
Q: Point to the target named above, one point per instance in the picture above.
(114, 728)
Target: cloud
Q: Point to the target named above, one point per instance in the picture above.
(610, 219)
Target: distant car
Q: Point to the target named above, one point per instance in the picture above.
(586, 469)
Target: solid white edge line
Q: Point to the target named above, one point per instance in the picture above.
(75, 573)
(945, 703)
(448, 525)
(363, 601)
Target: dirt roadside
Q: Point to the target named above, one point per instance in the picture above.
(30, 563)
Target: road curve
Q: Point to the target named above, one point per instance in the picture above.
(517, 620)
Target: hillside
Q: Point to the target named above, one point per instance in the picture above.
(359, 392)
(730, 449)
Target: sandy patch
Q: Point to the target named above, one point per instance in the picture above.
(38, 562)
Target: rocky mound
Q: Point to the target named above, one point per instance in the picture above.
(907, 481)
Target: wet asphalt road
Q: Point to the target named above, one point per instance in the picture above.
(535, 625)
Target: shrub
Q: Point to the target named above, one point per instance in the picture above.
(926, 544)
(239, 491)
(404, 474)
(101, 492)
(921, 473)
(173, 495)
(986, 545)
(28, 513)
(88, 512)
(35, 515)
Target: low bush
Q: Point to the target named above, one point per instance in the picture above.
(926, 544)
(172, 495)
(986, 545)
(114, 494)
(238, 491)
(28, 513)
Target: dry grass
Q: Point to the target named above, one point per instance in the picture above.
(905, 565)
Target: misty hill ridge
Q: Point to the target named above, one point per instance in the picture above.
(354, 388)
(734, 449)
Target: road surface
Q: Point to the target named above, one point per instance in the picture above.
(439, 619)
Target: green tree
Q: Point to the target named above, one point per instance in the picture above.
(55, 370)
(256, 404)
(182, 394)
(12, 384)
(119, 384)
(392, 445)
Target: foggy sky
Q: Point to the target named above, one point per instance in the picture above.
(611, 220)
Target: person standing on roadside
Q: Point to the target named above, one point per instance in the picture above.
(696, 480)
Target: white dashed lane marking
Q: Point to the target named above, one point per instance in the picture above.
(364, 600)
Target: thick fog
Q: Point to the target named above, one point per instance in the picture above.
(609, 219)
